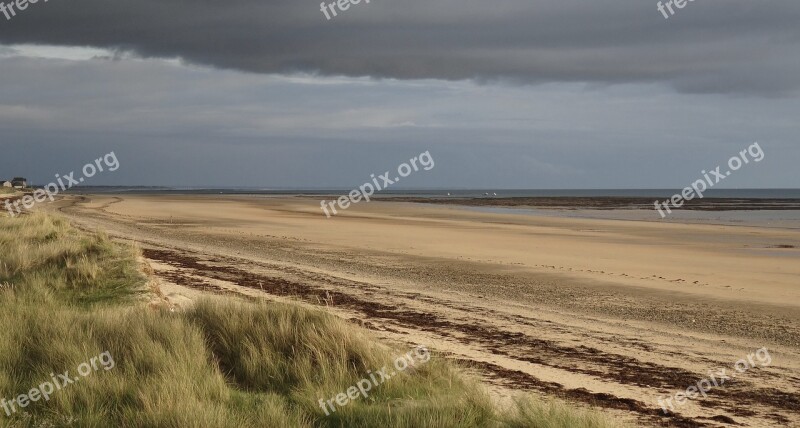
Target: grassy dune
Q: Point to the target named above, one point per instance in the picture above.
(7, 192)
(66, 296)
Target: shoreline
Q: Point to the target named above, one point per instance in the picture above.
(585, 309)
(610, 203)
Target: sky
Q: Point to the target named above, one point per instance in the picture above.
(505, 94)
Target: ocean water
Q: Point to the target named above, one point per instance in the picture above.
(764, 218)
(453, 193)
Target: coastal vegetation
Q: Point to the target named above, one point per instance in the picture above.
(66, 295)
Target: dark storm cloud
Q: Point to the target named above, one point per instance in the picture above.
(710, 46)
(196, 126)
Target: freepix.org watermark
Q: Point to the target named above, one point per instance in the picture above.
(342, 4)
(63, 183)
(680, 4)
(46, 389)
(7, 9)
(698, 187)
(369, 189)
(363, 386)
(715, 379)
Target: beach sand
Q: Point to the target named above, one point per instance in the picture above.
(609, 313)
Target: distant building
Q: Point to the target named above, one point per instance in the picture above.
(6, 184)
(19, 183)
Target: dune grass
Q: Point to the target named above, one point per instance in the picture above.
(66, 296)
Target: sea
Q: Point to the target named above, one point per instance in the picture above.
(782, 219)
(452, 193)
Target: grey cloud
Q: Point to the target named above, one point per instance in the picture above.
(710, 46)
(191, 126)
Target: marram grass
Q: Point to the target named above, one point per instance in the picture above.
(66, 296)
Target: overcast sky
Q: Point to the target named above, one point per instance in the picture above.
(504, 94)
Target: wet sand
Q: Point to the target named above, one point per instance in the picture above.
(607, 313)
(614, 203)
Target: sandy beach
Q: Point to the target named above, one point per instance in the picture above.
(608, 313)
